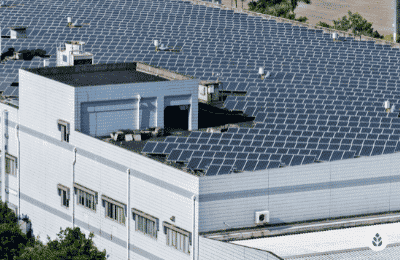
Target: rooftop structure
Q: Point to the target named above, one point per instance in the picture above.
(73, 54)
(98, 74)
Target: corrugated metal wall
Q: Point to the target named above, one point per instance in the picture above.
(308, 192)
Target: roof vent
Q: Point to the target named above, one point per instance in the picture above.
(3, 4)
(46, 62)
(156, 43)
(387, 104)
(334, 36)
(393, 108)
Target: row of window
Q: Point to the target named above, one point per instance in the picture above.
(175, 237)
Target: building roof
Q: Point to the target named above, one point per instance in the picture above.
(348, 243)
(323, 100)
(99, 74)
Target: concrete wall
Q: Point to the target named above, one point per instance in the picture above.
(212, 249)
(307, 192)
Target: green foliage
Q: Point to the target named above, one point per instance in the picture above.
(356, 23)
(322, 24)
(12, 240)
(7, 215)
(279, 8)
(71, 244)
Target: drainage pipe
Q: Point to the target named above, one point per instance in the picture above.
(18, 169)
(194, 227)
(128, 215)
(3, 153)
(72, 189)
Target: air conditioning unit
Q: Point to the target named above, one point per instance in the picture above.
(262, 217)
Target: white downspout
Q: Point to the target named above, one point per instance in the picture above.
(72, 189)
(194, 227)
(3, 156)
(128, 215)
(138, 113)
(18, 170)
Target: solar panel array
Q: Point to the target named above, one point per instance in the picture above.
(322, 102)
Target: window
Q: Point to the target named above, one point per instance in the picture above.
(11, 164)
(145, 223)
(63, 192)
(65, 58)
(86, 197)
(114, 210)
(177, 238)
(63, 126)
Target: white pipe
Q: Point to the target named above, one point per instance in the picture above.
(72, 189)
(3, 157)
(138, 113)
(18, 170)
(128, 215)
(194, 226)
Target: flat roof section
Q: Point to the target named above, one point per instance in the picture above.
(98, 74)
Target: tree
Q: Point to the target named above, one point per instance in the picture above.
(71, 244)
(279, 8)
(356, 23)
(12, 240)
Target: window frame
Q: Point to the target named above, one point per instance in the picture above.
(82, 194)
(174, 237)
(115, 208)
(61, 189)
(141, 217)
(64, 128)
(11, 160)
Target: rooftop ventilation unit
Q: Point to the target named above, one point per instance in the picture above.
(17, 32)
(73, 54)
(262, 73)
(46, 62)
(334, 36)
(156, 43)
(387, 104)
(262, 217)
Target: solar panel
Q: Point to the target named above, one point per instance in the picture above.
(194, 162)
(225, 169)
(174, 155)
(366, 150)
(149, 147)
(213, 170)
